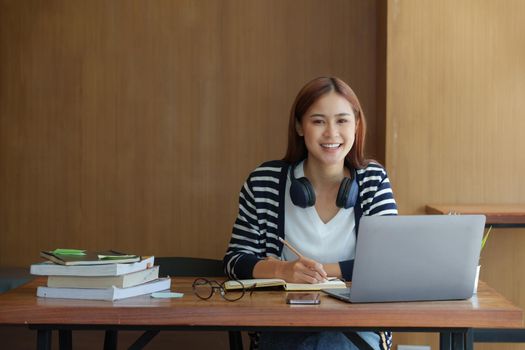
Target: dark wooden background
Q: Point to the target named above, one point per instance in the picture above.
(132, 125)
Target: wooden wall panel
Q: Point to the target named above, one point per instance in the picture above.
(455, 87)
(132, 125)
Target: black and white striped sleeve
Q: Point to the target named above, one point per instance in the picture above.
(377, 195)
(244, 249)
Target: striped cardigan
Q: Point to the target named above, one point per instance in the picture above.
(260, 221)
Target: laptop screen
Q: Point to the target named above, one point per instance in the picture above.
(420, 257)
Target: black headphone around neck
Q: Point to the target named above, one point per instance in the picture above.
(302, 192)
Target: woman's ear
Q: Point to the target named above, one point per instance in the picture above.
(299, 128)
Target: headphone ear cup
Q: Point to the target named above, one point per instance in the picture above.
(354, 193)
(302, 193)
(347, 194)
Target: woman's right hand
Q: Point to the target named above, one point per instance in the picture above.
(302, 270)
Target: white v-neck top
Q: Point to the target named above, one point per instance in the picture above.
(304, 230)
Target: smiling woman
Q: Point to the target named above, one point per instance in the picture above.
(315, 94)
(314, 198)
(328, 129)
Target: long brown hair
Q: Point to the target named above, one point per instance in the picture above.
(308, 95)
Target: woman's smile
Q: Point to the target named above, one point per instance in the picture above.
(331, 146)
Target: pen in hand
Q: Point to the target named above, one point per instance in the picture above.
(295, 251)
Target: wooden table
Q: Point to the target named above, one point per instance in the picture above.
(499, 215)
(264, 310)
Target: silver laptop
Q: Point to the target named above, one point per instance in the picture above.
(410, 258)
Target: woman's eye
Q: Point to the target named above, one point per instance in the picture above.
(318, 121)
(344, 120)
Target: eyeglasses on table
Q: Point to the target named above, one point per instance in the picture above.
(204, 289)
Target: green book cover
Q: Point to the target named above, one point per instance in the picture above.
(83, 257)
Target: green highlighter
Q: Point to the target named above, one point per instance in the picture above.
(166, 295)
(64, 251)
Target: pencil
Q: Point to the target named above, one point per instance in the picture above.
(296, 252)
(291, 247)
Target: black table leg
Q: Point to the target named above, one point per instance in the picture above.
(445, 341)
(235, 338)
(110, 339)
(469, 340)
(65, 339)
(143, 340)
(43, 339)
(458, 340)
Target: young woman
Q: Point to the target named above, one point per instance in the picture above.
(314, 198)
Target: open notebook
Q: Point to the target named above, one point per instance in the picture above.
(276, 282)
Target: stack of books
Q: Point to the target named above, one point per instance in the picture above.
(107, 275)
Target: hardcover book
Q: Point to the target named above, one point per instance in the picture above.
(48, 268)
(122, 281)
(89, 258)
(110, 294)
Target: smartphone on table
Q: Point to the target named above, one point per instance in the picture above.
(303, 298)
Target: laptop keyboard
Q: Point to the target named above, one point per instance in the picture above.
(345, 294)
